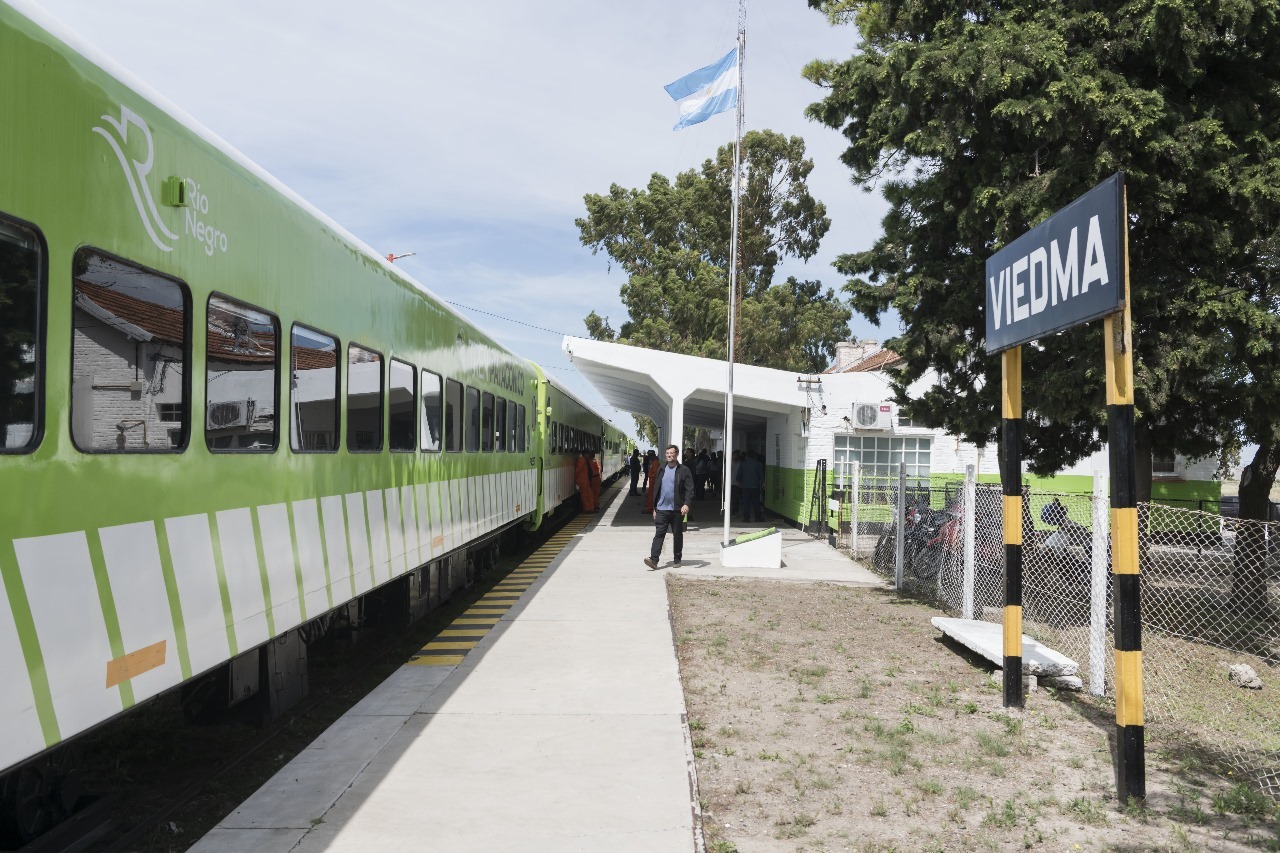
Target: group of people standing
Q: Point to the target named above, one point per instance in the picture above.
(669, 487)
(586, 476)
(746, 477)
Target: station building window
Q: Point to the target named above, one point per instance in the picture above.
(402, 406)
(473, 419)
(130, 351)
(313, 391)
(452, 415)
(242, 369)
(364, 399)
(879, 457)
(431, 402)
(21, 336)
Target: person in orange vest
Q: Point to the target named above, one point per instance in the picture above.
(593, 474)
(582, 478)
(654, 464)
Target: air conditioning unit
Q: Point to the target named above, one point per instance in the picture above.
(232, 413)
(873, 416)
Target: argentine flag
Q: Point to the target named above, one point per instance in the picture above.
(706, 91)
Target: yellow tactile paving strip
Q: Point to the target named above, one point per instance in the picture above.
(451, 645)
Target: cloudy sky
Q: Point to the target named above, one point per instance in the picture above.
(469, 133)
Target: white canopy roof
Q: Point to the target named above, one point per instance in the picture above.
(683, 390)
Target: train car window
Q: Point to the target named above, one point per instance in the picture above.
(500, 424)
(431, 400)
(452, 415)
(313, 391)
(402, 406)
(513, 444)
(242, 369)
(486, 422)
(130, 350)
(364, 399)
(521, 435)
(473, 419)
(22, 293)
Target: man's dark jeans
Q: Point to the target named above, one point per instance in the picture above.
(668, 519)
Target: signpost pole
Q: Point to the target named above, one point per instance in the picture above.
(1011, 485)
(1130, 731)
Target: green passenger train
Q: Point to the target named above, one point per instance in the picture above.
(222, 417)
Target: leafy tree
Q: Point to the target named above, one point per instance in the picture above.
(672, 241)
(982, 119)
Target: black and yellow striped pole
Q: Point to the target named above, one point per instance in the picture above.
(1011, 484)
(1131, 777)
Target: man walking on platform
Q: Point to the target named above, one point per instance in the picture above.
(672, 493)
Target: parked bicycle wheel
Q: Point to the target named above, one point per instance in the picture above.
(926, 561)
(882, 559)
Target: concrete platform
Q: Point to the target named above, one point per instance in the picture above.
(562, 730)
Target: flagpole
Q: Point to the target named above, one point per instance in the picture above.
(727, 491)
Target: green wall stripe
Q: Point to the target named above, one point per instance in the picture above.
(351, 554)
(109, 615)
(175, 602)
(262, 571)
(30, 643)
(224, 591)
(297, 563)
(324, 553)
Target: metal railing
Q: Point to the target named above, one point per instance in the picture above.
(1210, 588)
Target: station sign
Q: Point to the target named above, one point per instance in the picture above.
(1067, 270)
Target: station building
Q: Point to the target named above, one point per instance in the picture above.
(841, 416)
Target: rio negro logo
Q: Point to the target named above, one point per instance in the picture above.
(136, 172)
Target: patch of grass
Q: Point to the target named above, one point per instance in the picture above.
(826, 699)
(743, 787)
(720, 845)
(993, 745)
(932, 787)
(969, 707)
(1241, 800)
(728, 752)
(696, 725)
(699, 742)
(965, 796)
(1136, 809)
(1004, 817)
(864, 689)
(809, 675)
(1012, 727)
(768, 756)
(879, 809)
(726, 731)
(1088, 810)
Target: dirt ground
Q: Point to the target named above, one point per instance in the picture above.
(827, 717)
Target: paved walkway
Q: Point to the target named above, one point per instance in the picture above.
(562, 729)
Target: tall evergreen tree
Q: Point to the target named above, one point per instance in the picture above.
(981, 119)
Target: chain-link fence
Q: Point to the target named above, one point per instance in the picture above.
(1210, 589)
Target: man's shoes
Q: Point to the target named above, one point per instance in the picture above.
(676, 564)
(650, 562)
